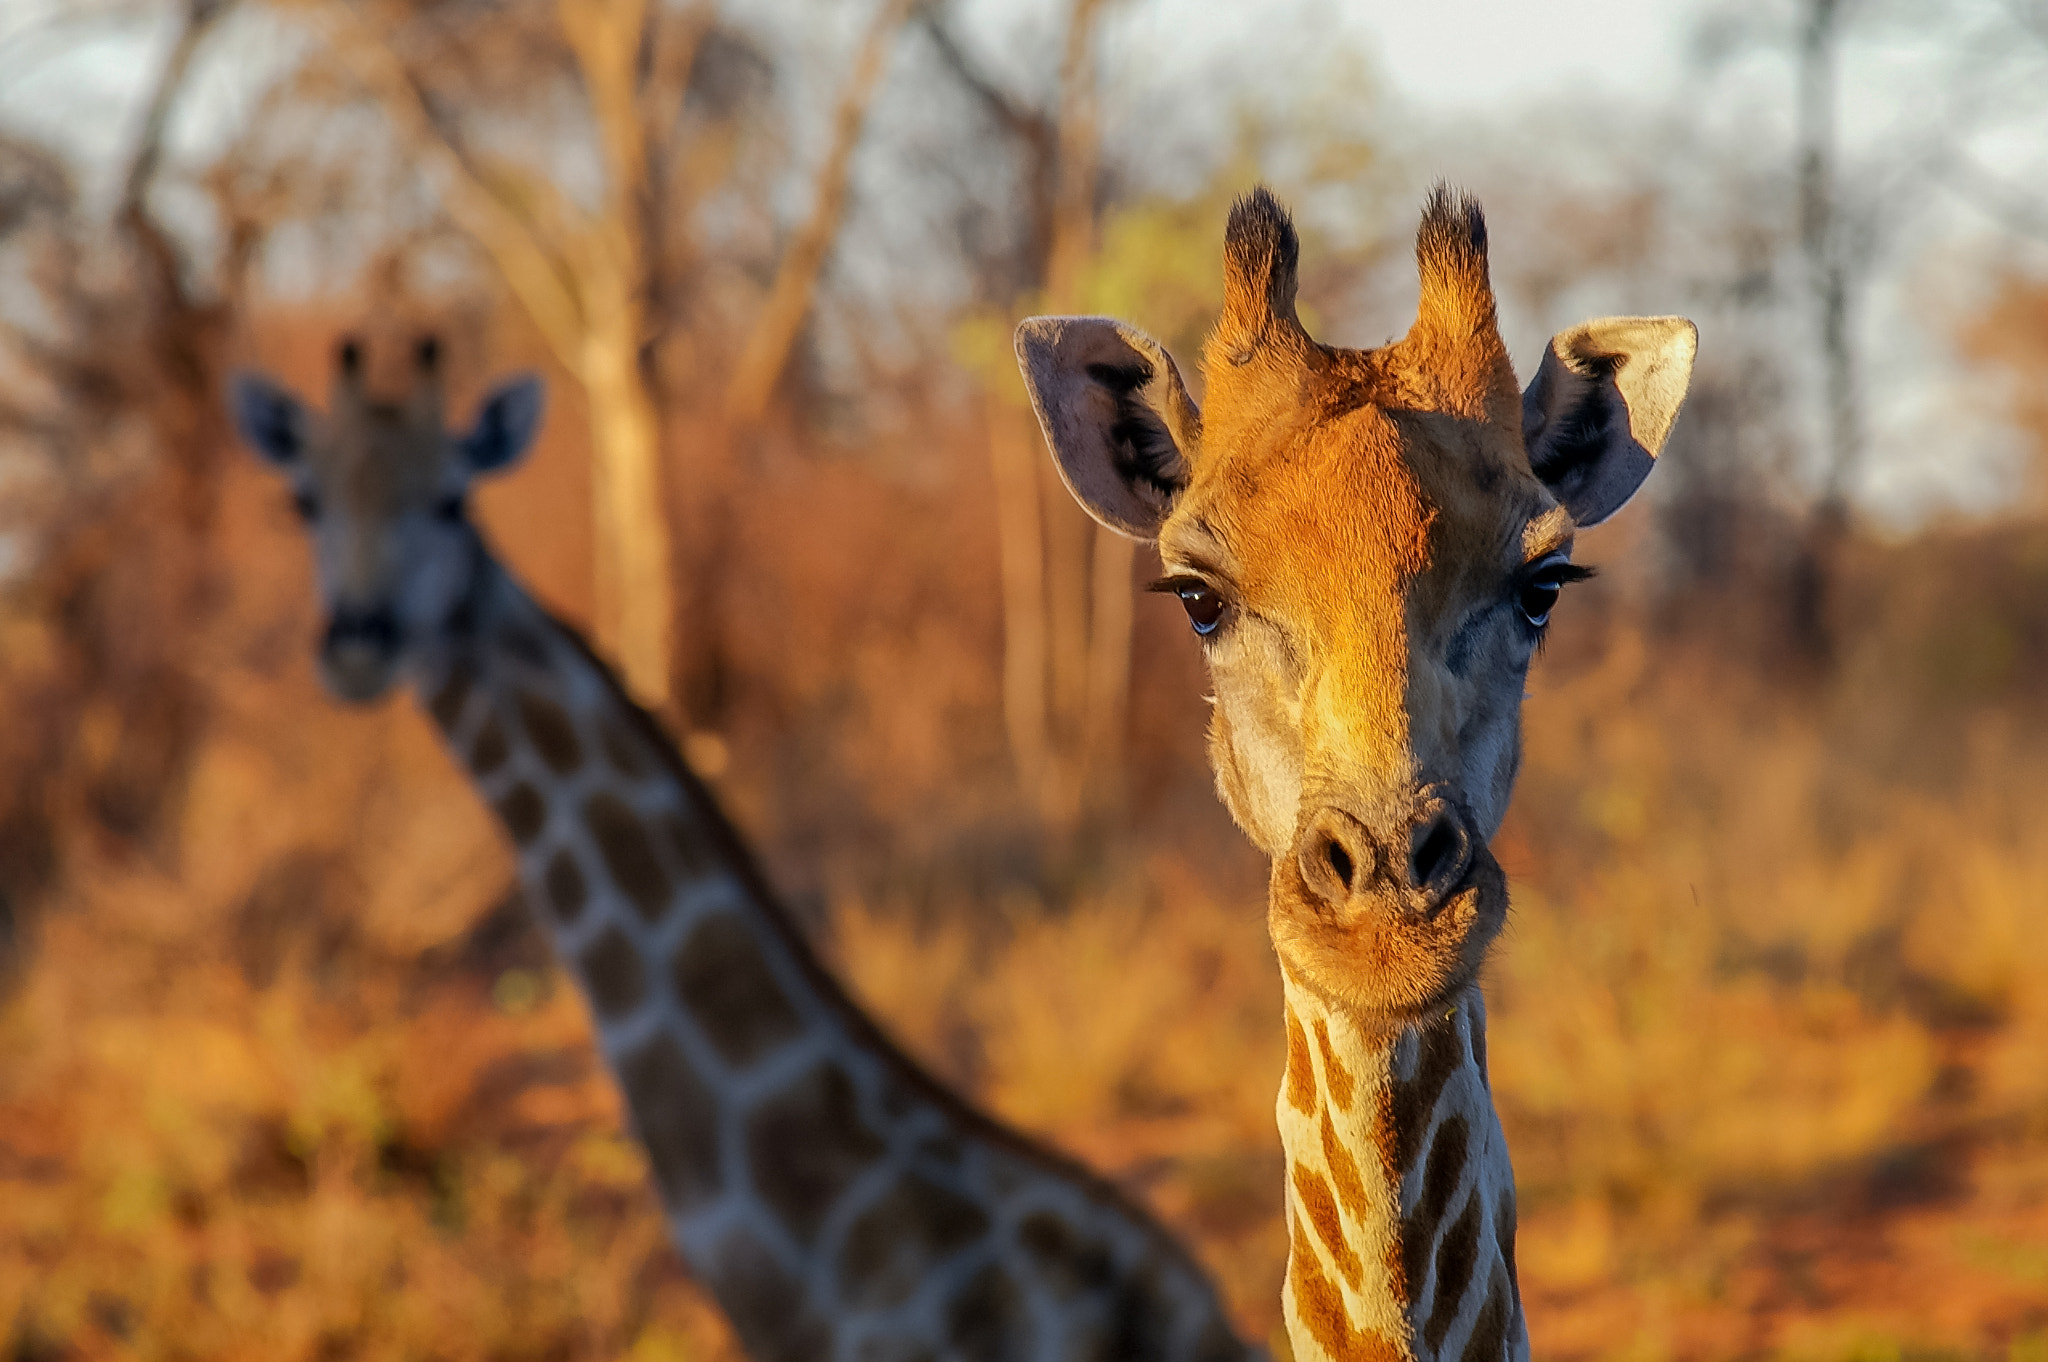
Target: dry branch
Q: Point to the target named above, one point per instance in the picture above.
(766, 352)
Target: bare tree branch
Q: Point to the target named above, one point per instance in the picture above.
(766, 352)
(536, 274)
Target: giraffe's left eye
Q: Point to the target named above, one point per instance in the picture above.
(305, 503)
(448, 508)
(1537, 595)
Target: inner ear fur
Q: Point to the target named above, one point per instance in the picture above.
(1117, 415)
(1601, 407)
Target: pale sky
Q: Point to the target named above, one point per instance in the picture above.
(1469, 55)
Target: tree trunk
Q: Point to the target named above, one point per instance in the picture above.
(1828, 285)
(635, 596)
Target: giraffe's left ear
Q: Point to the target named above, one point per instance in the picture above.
(1601, 406)
(505, 425)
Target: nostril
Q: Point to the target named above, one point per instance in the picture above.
(1437, 851)
(1335, 857)
(1340, 861)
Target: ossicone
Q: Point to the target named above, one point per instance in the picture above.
(1261, 258)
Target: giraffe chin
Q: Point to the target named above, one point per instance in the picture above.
(1376, 958)
(358, 675)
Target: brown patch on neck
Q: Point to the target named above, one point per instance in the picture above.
(1336, 1077)
(1319, 1308)
(1442, 1054)
(1344, 1172)
(1489, 1340)
(550, 730)
(1301, 1072)
(1312, 1195)
(628, 854)
(1455, 1259)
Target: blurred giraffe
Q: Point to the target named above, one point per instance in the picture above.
(1369, 543)
(837, 1201)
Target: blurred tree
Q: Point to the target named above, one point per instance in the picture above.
(1066, 581)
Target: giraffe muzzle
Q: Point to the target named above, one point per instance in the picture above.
(359, 653)
(1419, 868)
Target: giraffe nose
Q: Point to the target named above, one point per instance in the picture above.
(374, 628)
(358, 652)
(1341, 859)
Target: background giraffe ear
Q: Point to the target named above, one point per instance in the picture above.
(272, 420)
(505, 424)
(1118, 417)
(1601, 406)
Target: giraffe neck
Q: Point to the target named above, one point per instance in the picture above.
(1400, 1198)
(836, 1200)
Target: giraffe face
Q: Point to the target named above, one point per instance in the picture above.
(383, 489)
(1368, 543)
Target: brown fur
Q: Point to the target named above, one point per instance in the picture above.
(1455, 1257)
(1336, 1078)
(721, 977)
(1312, 1198)
(612, 972)
(807, 1144)
(890, 1249)
(1301, 1070)
(677, 1116)
(522, 813)
(551, 731)
(628, 854)
(567, 890)
(1319, 1306)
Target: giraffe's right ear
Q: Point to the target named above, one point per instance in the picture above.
(1122, 427)
(269, 418)
(505, 424)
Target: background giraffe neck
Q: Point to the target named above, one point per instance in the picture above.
(1400, 1197)
(836, 1200)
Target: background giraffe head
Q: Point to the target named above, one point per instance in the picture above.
(383, 487)
(1369, 543)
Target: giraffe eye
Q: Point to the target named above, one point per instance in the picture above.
(305, 503)
(1538, 596)
(448, 508)
(1538, 593)
(1204, 607)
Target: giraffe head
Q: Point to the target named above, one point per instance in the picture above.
(1369, 543)
(383, 487)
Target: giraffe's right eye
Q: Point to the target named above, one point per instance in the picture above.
(449, 507)
(305, 503)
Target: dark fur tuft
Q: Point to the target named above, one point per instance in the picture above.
(1261, 250)
(1453, 234)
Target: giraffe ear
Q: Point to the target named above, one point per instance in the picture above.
(1601, 406)
(272, 420)
(505, 425)
(1122, 427)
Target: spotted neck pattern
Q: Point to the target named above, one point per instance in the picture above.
(1400, 1197)
(835, 1199)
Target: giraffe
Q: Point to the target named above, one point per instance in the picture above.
(835, 1199)
(1369, 544)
